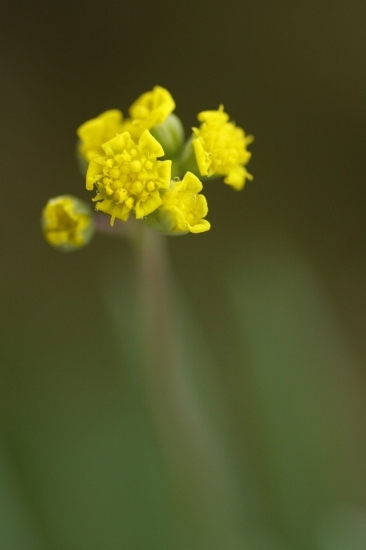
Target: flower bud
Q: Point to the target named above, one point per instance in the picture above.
(67, 223)
(170, 134)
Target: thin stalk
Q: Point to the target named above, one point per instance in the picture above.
(200, 483)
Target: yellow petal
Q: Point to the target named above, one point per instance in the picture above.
(200, 227)
(165, 173)
(107, 120)
(116, 145)
(214, 116)
(201, 157)
(201, 206)
(148, 142)
(149, 205)
(192, 183)
(236, 178)
(93, 174)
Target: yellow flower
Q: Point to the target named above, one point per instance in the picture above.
(221, 148)
(128, 177)
(182, 209)
(67, 222)
(95, 132)
(150, 109)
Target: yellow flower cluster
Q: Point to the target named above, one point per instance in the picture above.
(142, 165)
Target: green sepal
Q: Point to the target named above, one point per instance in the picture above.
(170, 134)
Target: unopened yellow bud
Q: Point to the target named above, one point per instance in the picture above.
(67, 223)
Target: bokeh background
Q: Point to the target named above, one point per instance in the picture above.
(273, 297)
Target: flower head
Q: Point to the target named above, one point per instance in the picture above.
(150, 109)
(129, 176)
(67, 222)
(182, 209)
(221, 148)
(95, 132)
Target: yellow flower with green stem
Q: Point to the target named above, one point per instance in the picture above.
(221, 148)
(129, 176)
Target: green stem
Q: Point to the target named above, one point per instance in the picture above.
(197, 469)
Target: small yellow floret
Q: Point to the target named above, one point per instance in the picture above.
(95, 132)
(128, 176)
(150, 109)
(67, 223)
(183, 208)
(221, 148)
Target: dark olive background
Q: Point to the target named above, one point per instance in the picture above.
(291, 73)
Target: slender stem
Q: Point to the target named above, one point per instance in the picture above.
(194, 459)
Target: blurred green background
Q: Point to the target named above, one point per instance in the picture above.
(272, 298)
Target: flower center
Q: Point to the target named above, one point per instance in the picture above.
(128, 177)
